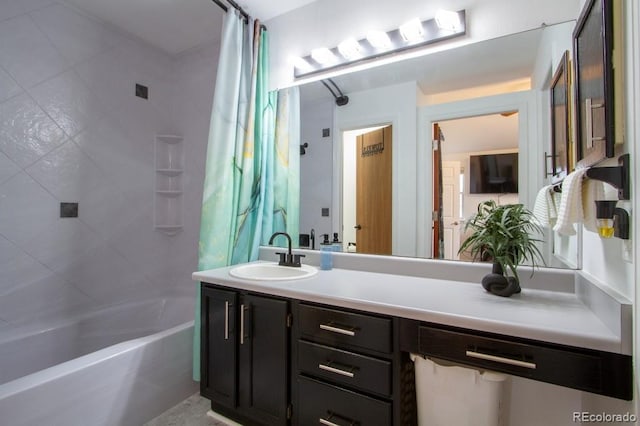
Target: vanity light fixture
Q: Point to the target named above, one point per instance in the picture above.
(411, 31)
(376, 44)
(448, 20)
(350, 49)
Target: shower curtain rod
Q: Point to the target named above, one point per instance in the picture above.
(238, 8)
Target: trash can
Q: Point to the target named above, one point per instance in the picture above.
(449, 394)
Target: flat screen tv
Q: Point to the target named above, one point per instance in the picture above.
(493, 174)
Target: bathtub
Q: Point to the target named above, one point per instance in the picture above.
(122, 365)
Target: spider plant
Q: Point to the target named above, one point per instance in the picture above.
(504, 234)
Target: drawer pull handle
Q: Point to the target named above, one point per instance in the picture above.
(226, 320)
(328, 422)
(516, 362)
(335, 370)
(337, 330)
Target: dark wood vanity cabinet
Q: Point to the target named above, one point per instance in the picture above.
(347, 369)
(245, 355)
(275, 361)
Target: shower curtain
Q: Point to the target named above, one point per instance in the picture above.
(251, 186)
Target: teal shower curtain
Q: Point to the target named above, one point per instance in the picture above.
(251, 186)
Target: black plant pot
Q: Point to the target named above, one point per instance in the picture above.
(496, 283)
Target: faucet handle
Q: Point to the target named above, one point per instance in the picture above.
(296, 260)
(283, 258)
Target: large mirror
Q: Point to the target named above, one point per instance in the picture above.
(402, 166)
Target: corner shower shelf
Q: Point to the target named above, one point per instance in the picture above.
(169, 162)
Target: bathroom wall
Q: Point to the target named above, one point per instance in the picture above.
(316, 168)
(71, 130)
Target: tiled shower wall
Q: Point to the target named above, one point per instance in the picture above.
(71, 130)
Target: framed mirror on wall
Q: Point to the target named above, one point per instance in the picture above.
(562, 155)
(510, 78)
(594, 86)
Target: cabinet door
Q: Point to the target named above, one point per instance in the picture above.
(218, 346)
(264, 360)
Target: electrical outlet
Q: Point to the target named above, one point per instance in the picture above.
(325, 211)
(326, 133)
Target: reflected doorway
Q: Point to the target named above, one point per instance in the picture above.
(462, 149)
(367, 190)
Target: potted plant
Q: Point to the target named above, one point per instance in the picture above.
(505, 235)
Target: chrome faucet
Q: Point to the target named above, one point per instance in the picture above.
(287, 259)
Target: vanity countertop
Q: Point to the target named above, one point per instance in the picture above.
(548, 316)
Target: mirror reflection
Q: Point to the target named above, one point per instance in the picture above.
(370, 171)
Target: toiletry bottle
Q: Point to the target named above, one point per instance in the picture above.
(326, 253)
(337, 244)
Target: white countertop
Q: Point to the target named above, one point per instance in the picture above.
(549, 316)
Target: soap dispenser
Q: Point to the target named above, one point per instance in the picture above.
(337, 244)
(326, 253)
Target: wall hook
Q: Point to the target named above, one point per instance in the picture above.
(303, 148)
(618, 176)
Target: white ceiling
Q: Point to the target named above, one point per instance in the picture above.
(177, 25)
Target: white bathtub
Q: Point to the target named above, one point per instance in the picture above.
(119, 366)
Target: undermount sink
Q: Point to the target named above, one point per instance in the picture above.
(272, 272)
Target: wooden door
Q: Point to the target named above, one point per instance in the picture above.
(218, 358)
(438, 238)
(263, 359)
(451, 208)
(373, 192)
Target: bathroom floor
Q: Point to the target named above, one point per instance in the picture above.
(190, 412)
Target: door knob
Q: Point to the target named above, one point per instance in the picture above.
(358, 227)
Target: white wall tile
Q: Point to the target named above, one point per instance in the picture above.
(76, 36)
(27, 209)
(59, 245)
(68, 102)
(49, 296)
(8, 87)
(26, 132)
(107, 277)
(67, 173)
(7, 168)
(26, 53)
(13, 8)
(17, 267)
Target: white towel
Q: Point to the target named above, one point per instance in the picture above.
(592, 190)
(570, 210)
(544, 209)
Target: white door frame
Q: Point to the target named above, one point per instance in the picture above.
(530, 148)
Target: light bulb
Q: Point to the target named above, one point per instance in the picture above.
(379, 39)
(411, 31)
(448, 20)
(350, 49)
(323, 56)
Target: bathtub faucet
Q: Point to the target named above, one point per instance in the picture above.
(287, 259)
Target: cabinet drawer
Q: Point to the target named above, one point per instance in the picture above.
(363, 372)
(591, 371)
(348, 329)
(328, 405)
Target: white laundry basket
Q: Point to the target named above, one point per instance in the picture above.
(449, 395)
